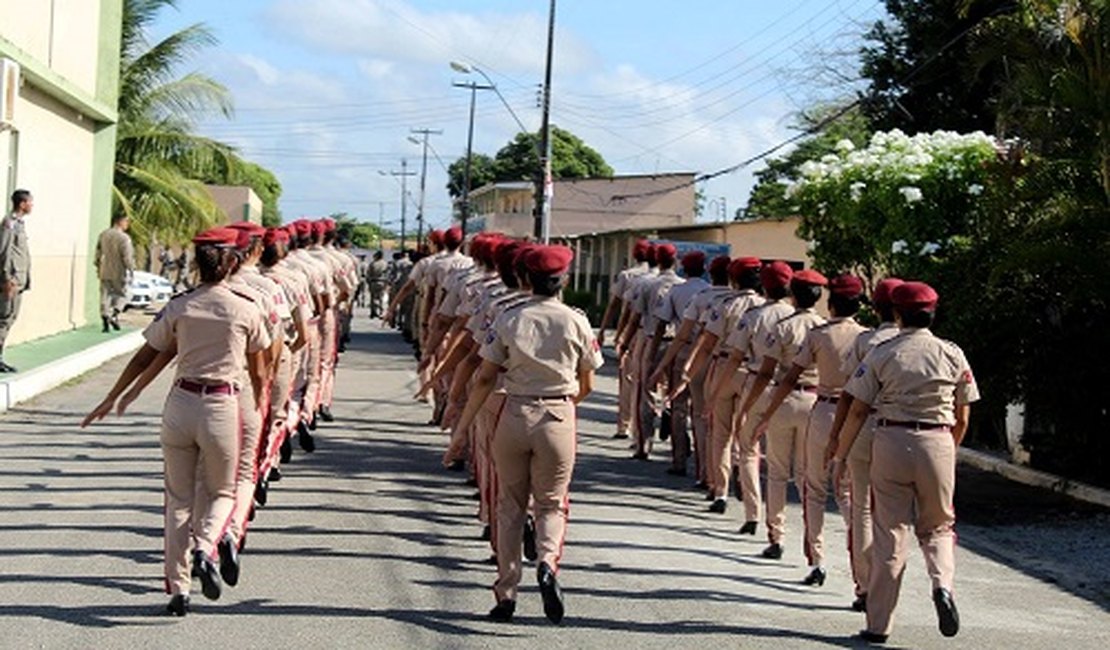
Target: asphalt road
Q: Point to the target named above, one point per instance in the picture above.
(367, 543)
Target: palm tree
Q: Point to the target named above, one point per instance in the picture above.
(159, 157)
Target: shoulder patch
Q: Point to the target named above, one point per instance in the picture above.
(860, 371)
(241, 294)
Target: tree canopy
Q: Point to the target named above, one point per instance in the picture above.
(571, 157)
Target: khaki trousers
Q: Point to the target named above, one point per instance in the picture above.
(277, 420)
(723, 431)
(635, 370)
(194, 426)
(698, 419)
(486, 473)
(749, 454)
(680, 411)
(860, 533)
(113, 297)
(649, 400)
(534, 450)
(785, 456)
(913, 479)
(9, 311)
(816, 493)
(329, 340)
(310, 371)
(624, 398)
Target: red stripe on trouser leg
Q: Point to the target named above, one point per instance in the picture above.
(493, 487)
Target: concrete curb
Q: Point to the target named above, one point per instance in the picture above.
(1028, 476)
(26, 385)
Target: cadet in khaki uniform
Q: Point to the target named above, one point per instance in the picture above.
(748, 345)
(859, 458)
(786, 431)
(115, 260)
(668, 313)
(629, 340)
(548, 354)
(618, 306)
(216, 333)
(680, 353)
(922, 388)
(653, 332)
(15, 266)
(825, 349)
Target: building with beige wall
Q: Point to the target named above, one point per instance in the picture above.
(587, 205)
(57, 139)
(237, 202)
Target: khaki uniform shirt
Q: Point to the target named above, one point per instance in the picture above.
(915, 377)
(115, 256)
(725, 319)
(214, 328)
(864, 343)
(295, 286)
(625, 277)
(542, 345)
(652, 297)
(377, 273)
(270, 288)
(827, 347)
(262, 301)
(318, 272)
(750, 335)
(15, 256)
(635, 284)
(674, 305)
(785, 340)
(698, 308)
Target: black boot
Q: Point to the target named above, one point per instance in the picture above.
(105, 326)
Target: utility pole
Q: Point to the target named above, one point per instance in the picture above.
(423, 178)
(464, 211)
(404, 174)
(545, 183)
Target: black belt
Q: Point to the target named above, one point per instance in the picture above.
(207, 389)
(544, 398)
(826, 398)
(916, 426)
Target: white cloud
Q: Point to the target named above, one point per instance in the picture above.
(265, 72)
(395, 30)
(376, 69)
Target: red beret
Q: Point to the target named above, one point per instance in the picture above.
(253, 229)
(329, 224)
(719, 264)
(243, 241)
(318, 228)
(883, 291)
(665, 253)
(809, 276)
(776, 275)
(522, 254)
(847, 286)
(649, 255)
(303, 226)
(453, 237)
(549, 260)
(436, 237)
(737, 266)
(274, 235)
(506, 252)
(217, 237)
(693, 261)
(915, 295)
(639, 251)
(494, 244)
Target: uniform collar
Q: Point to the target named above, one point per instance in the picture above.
(917, 331)
(669, 273)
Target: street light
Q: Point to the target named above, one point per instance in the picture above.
(423, 178)
(474, 88)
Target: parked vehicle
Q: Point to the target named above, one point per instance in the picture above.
(147, 289)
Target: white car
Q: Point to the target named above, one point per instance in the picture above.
(147, 289)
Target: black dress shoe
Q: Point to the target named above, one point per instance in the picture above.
(948, 619)
(314, 422)
(477, 496)
(676, 471)
(325, 414)
(860, 603)
(748, 528)
(114, 322)
(208, 574)
(262, 492)
(872, 637)
(229, 560)
(457, 466)
(530, 539)
(285, 452)
(640, 455)
(487, 533)
(551, 593)
(816, 577)
(621, 435)
(502, 612)
(274, 476)
(105, 328)
(6, 368)
(718, 506)
(773, 552)
(305, 438)
(471, 481)
(178, 605)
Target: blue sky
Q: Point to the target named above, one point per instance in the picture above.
(326, 91)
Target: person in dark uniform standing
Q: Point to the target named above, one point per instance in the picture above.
(548, 354)
(922, 388)
(216, 333)
(15, 266)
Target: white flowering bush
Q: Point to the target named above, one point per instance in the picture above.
(873, 209)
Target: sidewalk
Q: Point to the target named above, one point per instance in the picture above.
(53, 360)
